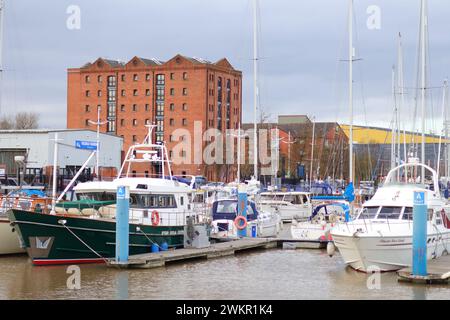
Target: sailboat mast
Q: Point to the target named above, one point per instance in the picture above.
(423, 81)
(394, 122)
(350, 85)
(2, 9)
(401, 91)
(255, 89)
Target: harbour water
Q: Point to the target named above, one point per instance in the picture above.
(264, 274)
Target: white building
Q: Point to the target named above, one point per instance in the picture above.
(38, 145)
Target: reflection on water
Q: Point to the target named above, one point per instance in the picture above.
(270, 274)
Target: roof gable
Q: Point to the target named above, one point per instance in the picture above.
(224, 63)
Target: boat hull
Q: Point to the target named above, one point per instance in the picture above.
(369, 254)
(49, 241)
(9, 239)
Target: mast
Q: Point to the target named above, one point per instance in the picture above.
(444, 92)
(423, 80)
(394, 122)
(98, 124)
(350, 86)
(312, 152)
(401, 91)
(2, 8)
(255, 89)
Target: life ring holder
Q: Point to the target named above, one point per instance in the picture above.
(155, 218)
(240, 226)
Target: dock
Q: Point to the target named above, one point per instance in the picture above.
(215, 250)
(438, 272)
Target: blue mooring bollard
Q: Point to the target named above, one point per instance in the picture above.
(155, 248)
(122, 223)
(419, 263)
(164, 246)
(242, 211)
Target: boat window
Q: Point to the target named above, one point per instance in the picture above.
(152, 201)
(182, 201)
(407, 213)
(430, 214)
(389, 213)
(97, 196)
(304, 199)
(368, 212)
(250, 211)
(227, 207)
(290, 199)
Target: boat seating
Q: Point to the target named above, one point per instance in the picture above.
(60, 210)
(89, 212)
(108, 211)
(73, 211)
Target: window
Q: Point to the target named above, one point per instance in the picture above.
(184, 91)
(172, 91)
(86, 122)
(111, 95)
(111, 126)
(122, 107)
(135, 77)
(111, 81)
(184, 107)
(87, 108)
(147, 107)
(135, 92)
(172, 107)
(122, 93)
(99, 93)
(134, 122)
(122, 122)
(160, 110)
(183, 154)
(147, 77)
(134, 138)
(123, 77)
(99, 79)
(147, 92)
(368, 213)
(135, 107)
(184, 122)
(407, 213)
(172, 76)
(172, 122)
(389, 212)
(184, 75)
(147, 121)
(160, 79)
(170, 138)
(88, 93)
(87, 79)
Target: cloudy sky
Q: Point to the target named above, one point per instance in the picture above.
(301, 45)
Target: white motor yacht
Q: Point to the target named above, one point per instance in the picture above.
(381, 235)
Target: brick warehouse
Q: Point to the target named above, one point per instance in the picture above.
(170, 94)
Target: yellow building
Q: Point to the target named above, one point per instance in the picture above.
(373, 135)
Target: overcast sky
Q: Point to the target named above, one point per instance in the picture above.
(301, 45)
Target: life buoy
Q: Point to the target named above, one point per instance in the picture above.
(155, 218)
(240, 226)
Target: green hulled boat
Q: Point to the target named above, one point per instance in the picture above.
(62, 239)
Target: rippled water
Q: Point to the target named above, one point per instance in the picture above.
(270, 274)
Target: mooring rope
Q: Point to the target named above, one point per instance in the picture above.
(84, 243)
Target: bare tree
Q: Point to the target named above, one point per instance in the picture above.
(6, 123)
(26, 120)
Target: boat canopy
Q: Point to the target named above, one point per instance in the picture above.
(227, 210)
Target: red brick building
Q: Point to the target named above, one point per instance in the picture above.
(172, 95)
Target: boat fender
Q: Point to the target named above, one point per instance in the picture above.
(240, 226)
(155, 218)
(330, 248)
(323, 223)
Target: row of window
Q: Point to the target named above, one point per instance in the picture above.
(159, 93)
(112, 79)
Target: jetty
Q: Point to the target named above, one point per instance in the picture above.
(438, 272)
(215, 250)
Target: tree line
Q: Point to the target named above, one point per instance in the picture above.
(20, 121)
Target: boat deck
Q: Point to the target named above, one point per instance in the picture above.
(215, 250)
(438, 272)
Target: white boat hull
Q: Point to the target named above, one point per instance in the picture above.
(307, 231)
(264, 229)
(369, 254)
(9, 241)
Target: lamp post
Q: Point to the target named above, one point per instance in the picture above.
(239, 135)
(98, 123)
(289, 142)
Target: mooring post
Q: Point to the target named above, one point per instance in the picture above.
(242, 211)
(419, 263)
(122, 224)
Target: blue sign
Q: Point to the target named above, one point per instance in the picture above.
(419, 198)
(86, 145)
(121, 192)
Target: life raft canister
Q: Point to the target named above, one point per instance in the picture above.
(238, 225)
(155, 218)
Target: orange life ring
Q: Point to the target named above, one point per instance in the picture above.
(240, 226)
(155, 218)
